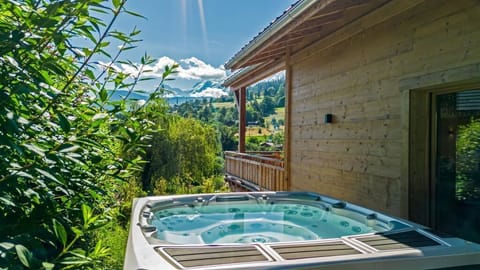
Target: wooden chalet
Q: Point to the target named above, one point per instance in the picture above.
(378, 95)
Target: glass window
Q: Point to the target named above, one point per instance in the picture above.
(457, 172)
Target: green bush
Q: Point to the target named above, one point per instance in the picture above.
(467, 161)
(66, 149)
(183, 154)
(113, 237)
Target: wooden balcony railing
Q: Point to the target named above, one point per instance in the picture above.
(265, 170)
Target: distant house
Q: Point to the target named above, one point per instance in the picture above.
(400, 80)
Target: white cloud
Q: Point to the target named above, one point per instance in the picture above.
(189, 69)
(131, 70)
(159, 66)
(210, 92)
(195, 69)
(104, 65)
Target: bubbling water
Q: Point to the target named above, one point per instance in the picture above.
(252, 223)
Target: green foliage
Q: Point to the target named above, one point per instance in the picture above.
(267, 106)
(467, 161)
(263, 98)
(227, 137)
(225, 120)
(254, 114)
(177, 185)
(113, 237)
(67, 151)
(278, 138)
(184, 153)
(271, 88)
(252, 143)
(281, 101)
(214, 184)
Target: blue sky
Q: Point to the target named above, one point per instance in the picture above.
(176, 30)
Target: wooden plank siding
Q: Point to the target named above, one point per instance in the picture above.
(363, 155)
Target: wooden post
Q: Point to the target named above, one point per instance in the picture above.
(242, 117)
(288, 122)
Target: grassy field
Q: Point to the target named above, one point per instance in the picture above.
(279, 115)
(254, 130)
(257, 131)
(229, 104)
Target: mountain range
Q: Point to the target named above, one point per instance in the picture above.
(202, 89)
(211, 88)
(207, 88)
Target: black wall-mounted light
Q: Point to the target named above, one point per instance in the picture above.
(451, 131)
(328, 118)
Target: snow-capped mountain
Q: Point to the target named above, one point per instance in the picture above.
(207, 88)
(171, 91)
(204, 85)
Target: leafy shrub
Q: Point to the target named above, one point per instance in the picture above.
(66, 148)
(182, 155)
(467, 158)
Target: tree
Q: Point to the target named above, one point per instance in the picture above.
(278, 138)
(270, 91)
(66, 149)
(252, 115)
(227, 137)
(274, 123)
(281, 101)
(267, 106)
(231, 117)
(185, 150)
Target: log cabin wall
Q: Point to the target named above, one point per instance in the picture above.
(363, 156)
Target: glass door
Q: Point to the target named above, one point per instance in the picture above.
(456, 172)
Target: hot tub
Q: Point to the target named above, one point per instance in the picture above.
(282, 230)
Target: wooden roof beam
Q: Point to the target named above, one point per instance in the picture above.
(263, 71)
(276, 37)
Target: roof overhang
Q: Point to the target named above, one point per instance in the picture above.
(268, 32)
(249, 75)
(301, 25)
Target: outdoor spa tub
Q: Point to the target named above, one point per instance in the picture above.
(282, 230)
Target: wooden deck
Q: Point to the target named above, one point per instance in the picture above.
(255, 171)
